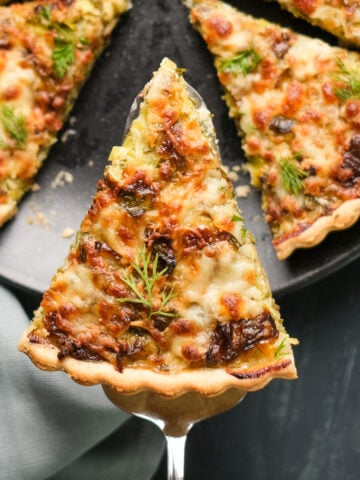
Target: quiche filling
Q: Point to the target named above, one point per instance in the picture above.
(296, 103)
(47, 50)
(163, 275)
(341, 18)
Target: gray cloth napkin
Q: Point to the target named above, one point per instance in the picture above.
(51, 427)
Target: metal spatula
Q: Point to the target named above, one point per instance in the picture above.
(176, 415)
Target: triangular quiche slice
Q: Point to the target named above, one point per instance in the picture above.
(296, 103)
(47, 50)
(340, 18)
(163, 288)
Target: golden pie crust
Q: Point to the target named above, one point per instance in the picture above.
(206, 381)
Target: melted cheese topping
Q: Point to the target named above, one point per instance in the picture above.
(339, 18)
(163, 273)
(297, 111)
(31, 88)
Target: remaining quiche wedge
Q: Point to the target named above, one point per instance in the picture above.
(296, 103)
(163, 288)
(340, 18)
(47, 49)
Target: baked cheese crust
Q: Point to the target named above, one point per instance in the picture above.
(47, 50)
(163, 288)
(339, 17)
(296, 103)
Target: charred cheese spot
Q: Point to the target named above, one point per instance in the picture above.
(192, 353)
(232, 303)
(261, 118)
(183, 326)
(306, 6)
(293, 99)
(220, 27)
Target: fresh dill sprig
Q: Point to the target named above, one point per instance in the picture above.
(15, 127)
(291, 175)
(84, 41)
(245, 234)
(66, 41)
(350, 80)
(46, 12)
(63, 56)
(245, 62)
(147, 272)
(279, 352)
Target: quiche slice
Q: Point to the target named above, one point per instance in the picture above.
(340, 18)
(47, 49)
(296, 103)
(163, 288)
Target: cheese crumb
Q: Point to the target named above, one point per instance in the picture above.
(68, 232)
(38, 218)
(68, 133)
(61, 179)
(242, 191)
(233, 176)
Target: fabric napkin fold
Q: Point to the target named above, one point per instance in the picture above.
(51, 427)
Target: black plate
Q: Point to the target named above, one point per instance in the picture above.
(31, 252)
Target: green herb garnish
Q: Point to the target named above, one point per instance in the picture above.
(46, 12)
(84, 41)
(291, 175)
(63, 56)
(244, 63)
(351, 81)
(147, 272)
(15, 127)
(279, 352)
(245, 234)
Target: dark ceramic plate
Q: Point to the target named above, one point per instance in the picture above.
(31, 252)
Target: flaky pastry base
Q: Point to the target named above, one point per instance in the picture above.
(343, 217)
(206, 381)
